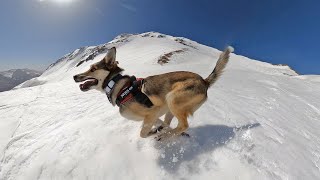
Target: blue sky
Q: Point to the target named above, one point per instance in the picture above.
(35, 33)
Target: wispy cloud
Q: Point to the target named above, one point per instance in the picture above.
(129, 7)
(57, 1)
(99, 11)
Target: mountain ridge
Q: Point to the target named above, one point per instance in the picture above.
(13, 77)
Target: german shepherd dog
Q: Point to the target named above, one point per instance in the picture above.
(177, 94)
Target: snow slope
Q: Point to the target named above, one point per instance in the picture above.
(260, 122)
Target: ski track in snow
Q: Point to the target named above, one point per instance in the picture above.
(258, 122)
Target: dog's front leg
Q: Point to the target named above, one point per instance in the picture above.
(163, 125)
(148, 122)
(158, 126)
(179, 130)
(166, 123)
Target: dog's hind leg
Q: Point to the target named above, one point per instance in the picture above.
(181, 107)
(180, 112)
(165, 127)
(179, 130)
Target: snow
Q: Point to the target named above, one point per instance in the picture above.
(7, 74)
(10, 72)
(231, 49)
(260, 122)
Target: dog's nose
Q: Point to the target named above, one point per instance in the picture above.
(75, 78)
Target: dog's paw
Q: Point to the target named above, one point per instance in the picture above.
(158, 138)
(162, 137)
(153, 131)
(157, 130)
(185, 134)
(160, 128)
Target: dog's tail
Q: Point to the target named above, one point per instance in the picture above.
(221, 64)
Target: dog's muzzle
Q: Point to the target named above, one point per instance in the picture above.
(88, 82)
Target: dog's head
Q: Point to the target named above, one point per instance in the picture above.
(99, 72)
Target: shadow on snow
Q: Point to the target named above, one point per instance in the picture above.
(203, 139)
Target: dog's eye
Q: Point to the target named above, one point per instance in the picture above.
(93, 69)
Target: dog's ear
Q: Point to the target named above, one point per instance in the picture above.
(110, 58)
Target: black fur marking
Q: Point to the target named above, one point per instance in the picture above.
(102, 65)
(142, 99)
(190, 87)
(172, 81)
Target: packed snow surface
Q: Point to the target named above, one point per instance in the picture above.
(260, 121)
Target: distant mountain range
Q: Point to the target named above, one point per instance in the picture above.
(11, 78)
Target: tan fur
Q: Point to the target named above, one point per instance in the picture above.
(177, 94)
(221, 64)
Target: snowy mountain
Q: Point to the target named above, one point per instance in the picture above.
(261, 121)
(11, 78)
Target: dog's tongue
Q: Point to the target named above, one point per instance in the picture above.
(82, 86)
(86, 85)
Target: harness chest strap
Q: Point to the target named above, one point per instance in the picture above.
(133, 89)
(128, 91)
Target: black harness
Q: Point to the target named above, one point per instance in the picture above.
(128, 91)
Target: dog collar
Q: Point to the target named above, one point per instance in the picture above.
(110, 86)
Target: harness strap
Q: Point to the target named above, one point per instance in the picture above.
(133, 90)
(130, 90)
(126, 93)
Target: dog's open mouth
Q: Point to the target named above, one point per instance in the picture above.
(88, 83)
